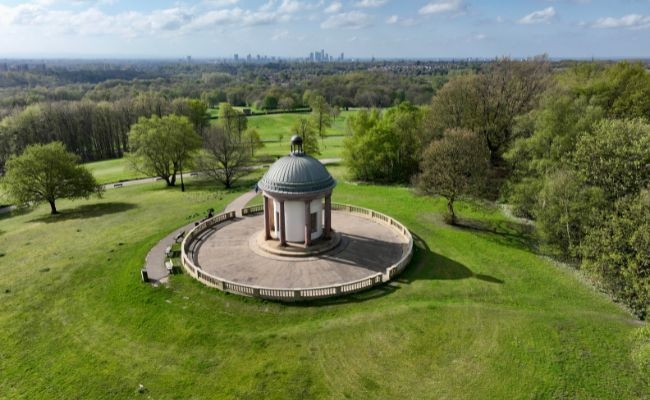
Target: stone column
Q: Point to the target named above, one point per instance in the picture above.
(267, 223)
(283, 229)
(307, 223)
(328, 216)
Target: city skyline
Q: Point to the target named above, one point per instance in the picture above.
(293, 29)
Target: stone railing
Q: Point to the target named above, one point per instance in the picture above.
(298, 294)
(252, 210)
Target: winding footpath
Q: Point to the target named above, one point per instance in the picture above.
(155, 260)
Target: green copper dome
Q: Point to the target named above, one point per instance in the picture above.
(295, 175)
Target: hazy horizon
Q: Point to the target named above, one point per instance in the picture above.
(427, 29)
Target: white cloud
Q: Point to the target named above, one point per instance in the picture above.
(334, 7)
(538, 17)
(290, 6)
(370, 3)
(280, 35)
(443, 6)
(349, 20)
(632, 21)
(480, 36)
(215, 3)
(392, 19)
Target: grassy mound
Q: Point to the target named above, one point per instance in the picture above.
(476, 315)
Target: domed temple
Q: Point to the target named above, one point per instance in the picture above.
(297, 193)
(286, 249)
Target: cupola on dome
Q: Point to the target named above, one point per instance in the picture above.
(297, 174)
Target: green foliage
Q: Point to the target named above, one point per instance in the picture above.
(160, 146)
(615, 157)
(565, 210)
(232, 120)
(384, 147)
(47, 173)
(490, 102)
(455, 165)
(320, 113)
(578, 171)
(617, 252)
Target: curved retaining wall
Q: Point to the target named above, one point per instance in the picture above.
(296, 294)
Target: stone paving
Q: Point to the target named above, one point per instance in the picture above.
(155, 260)
(366, 248)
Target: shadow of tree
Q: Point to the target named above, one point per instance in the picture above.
(87, 211)
(425, 265)
(428, 265)
(508, 233)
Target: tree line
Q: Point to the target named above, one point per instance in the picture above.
(568, 149)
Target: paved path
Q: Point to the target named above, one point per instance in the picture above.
(155, 260)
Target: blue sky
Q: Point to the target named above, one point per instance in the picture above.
(293, 28)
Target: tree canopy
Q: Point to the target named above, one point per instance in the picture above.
(47, 173)
(453, 166)
(160, 145)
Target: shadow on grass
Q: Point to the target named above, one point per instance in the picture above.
(87, 211)
(427, 265)
(508, 233)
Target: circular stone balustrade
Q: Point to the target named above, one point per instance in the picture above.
(241, 235)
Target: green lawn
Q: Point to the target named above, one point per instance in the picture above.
(476, 315)
(109, 171)
(274, 129)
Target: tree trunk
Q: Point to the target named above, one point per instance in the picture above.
(52, 207)
(450, 210)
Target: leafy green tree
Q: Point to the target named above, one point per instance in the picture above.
(232, 120)
(47, 173)
(454, 166)
(564, 212)
(320, 114)
(385, 147)
(615, 157)
(197, 113)
(617, 252)
(160, 146)
(253, 140)
(304, 128)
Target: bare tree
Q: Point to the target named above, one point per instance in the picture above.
(225, 155)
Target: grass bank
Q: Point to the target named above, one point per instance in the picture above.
(476, 315)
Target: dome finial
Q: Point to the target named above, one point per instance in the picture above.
(296, 144)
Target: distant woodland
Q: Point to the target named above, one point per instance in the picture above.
(565, 145)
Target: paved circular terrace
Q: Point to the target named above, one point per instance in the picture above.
(371, 250)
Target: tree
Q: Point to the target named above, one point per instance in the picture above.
(490, 102)
(160, 146)
(232, 120)
(253, 141)
(385, 147)
(320, 114)
(617, 252)
(197, 112)
(564, 212)
(304, 128)
(454, 166)
(47, 173)
(615, 157)
(224, 156)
